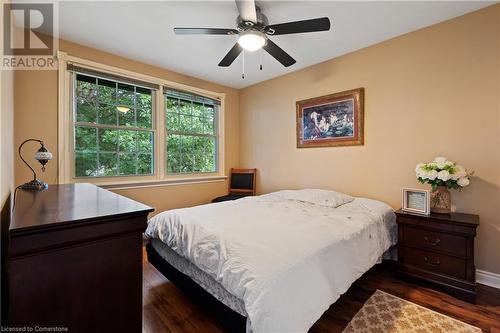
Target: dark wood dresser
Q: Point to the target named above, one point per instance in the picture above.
(439, 248)
(75, 260)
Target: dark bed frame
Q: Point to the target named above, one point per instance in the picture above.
(229, 318)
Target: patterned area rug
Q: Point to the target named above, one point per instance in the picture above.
(385, 313)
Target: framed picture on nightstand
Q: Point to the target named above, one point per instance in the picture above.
(416, 201)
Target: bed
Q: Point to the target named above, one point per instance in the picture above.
(279, 259)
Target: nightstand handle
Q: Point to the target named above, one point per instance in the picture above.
(430, 263)
(436, 242)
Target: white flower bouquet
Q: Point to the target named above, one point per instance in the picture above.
(442, 172)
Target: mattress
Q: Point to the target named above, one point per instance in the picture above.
(200, 277)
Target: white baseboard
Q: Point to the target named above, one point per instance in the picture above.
(488, 278)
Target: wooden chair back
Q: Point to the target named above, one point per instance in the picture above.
(242, 181)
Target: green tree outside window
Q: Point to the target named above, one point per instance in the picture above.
(191, 133)
(109, 142)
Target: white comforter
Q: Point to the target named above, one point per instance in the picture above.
(288, 261)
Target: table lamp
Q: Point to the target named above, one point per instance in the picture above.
(43, 156)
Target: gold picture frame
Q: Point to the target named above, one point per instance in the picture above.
(331, 120)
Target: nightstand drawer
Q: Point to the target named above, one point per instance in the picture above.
(435, 262)
(436, 241)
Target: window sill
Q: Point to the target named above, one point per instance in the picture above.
(123, 185)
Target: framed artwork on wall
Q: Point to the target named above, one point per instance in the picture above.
(331, 120)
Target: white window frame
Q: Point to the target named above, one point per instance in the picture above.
(160, 176)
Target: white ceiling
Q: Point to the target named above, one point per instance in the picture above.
(143, 30)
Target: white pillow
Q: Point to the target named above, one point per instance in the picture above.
(314, 196)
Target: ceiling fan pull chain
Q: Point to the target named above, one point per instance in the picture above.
(260, 58)
(243, 62)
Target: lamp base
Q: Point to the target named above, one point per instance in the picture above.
(35, 185)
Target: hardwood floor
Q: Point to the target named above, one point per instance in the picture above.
(167, 309)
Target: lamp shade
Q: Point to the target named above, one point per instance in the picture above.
(43, 156)
(252, 40)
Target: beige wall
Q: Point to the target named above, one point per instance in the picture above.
(36, 116)
(433, 92)
(6, 133)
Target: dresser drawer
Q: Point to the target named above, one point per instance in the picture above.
(436, 241)
(435, 262)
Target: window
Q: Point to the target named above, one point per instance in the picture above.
(191, 133)
(123, 129)
(113, 128)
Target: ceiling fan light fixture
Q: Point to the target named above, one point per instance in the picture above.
(122, 108)
(252, 40)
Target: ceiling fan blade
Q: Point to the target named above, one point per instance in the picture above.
(231, 55)
(247, 10)
(297, 27)
(278, 53)
(205, 31)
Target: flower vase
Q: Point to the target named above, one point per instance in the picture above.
(441, 200)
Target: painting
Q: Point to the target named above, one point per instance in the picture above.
(331, 120)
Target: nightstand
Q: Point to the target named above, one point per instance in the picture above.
(439, 248)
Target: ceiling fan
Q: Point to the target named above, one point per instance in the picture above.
(253, 30)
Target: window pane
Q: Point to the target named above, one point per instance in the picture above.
(127, 141)
(145, 164)
(108, 164)
(173, 162)
(209, 112)
(86, 88)
(186, 162)
(171, 105)
(210, 162)
(173, 153)
(143, 98)
(85, 112)
(108, 140)
(197, 125)
(198, 109)
(144, 118)
(125, 95)
(85, 164)
(107, 114)
(199, 154)
(128, 163)
(85, 139)
(208, 127)
(107, 91)
(173, 122)
(185, 107)
(86, 99)
(145, 142)
(184, 123)
(127, 118)
(187, 153)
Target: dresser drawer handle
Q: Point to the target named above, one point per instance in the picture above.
(436, 242)
(432, 263)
